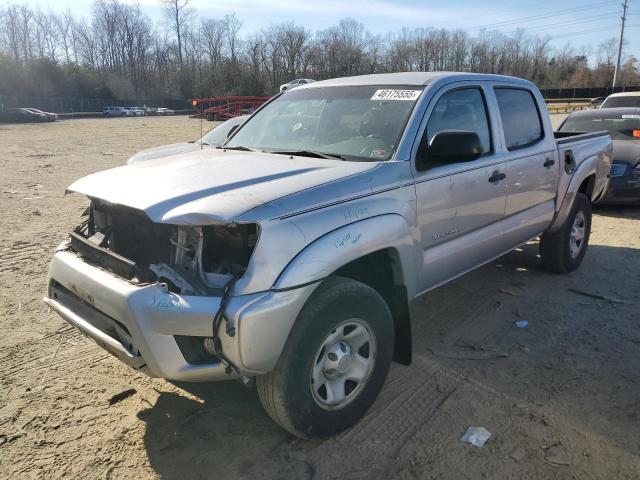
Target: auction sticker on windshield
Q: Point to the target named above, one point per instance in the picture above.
(396, 94)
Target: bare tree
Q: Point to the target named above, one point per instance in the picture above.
(179, 14)
(294, 42)
(119, 51)
(232, 29)
(607, 52)
(12, 29)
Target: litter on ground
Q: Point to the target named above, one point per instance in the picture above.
(476, 436)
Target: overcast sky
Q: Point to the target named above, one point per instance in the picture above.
(587, 22)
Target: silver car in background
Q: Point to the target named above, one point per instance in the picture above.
(114, 111)
(622, 99)
(295, 83)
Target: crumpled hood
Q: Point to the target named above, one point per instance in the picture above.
(211, 186)
(165, 151)
(627, 151)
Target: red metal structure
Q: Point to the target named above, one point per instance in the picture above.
(224, 108)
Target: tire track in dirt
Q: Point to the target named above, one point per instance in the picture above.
(70, 348)
(406, 404)
(24, 257)
(444, 312)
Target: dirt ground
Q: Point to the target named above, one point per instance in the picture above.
(561, 396)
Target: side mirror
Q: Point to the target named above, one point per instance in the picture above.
(450, 146)
(232, 130)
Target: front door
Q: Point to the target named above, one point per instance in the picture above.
(460, 204)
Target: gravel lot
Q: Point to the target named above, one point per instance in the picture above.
(561, 396)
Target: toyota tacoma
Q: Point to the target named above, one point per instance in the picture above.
(289, 256)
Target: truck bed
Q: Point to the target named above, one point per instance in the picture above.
(574, 148)
(568, 137)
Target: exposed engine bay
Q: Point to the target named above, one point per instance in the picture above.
(191, 260)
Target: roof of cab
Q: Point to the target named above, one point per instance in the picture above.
(410, 78)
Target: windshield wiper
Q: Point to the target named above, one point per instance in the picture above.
(309, 153)
(242, 148)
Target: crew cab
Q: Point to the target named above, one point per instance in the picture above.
(290, 255)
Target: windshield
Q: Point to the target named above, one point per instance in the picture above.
(626, 101)
(620, 127)
(354, 122)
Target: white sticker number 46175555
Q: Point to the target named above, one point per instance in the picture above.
(396, 94)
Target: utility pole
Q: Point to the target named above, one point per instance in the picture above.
(622, 20)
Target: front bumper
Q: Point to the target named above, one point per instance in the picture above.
(138, 324)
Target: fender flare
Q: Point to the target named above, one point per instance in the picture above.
(349, 242)
(582, 172)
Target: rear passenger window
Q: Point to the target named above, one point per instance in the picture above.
(520, 117)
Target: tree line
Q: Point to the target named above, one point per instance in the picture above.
(119, 52)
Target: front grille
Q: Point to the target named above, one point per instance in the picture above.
(111, 261)
(617, 169)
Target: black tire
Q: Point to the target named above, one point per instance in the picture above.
(286, 392)
(555, 248)
(210, 117)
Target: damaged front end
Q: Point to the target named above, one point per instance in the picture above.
(190, 260)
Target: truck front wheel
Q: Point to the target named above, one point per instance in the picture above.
(334, 362)
(562, 251)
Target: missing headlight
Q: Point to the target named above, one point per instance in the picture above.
(228, 249)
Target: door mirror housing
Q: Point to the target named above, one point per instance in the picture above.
(450, 146)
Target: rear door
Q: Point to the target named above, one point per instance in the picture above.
(460, 205)
(531, 162)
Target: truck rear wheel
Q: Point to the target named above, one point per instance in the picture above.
(562, 251)
(334, 362)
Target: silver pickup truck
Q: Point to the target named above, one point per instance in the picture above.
(289, 256)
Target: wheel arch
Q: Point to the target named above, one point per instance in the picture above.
(584, 181)
(379, 252)
(382, 271)
(588, 185)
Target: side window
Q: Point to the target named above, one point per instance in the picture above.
(520, 117)
(462, 109)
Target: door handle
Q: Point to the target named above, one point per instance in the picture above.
(549, 162)
(497, 176)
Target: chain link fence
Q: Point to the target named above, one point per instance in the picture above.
(584, 92)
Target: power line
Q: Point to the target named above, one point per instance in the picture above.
(493, 13)
(529, 18)
(582, 32)
(571, 22)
